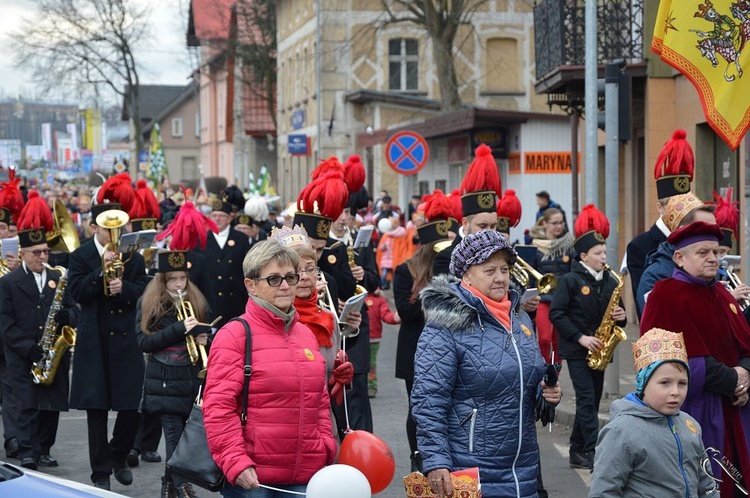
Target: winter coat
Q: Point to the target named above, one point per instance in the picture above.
(659, 265)
(287, 437)
(642, 453)
(23, 315)
(578, 307)
(637, 253)
(379, 312)
(412, 322)
(475, 387)
(108, 365)
(171, 382)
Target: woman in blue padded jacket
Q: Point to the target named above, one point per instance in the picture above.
(478, 373)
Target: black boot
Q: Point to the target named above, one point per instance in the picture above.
(167, 489)
(416, 462)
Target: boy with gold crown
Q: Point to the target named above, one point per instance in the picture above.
(650, 447)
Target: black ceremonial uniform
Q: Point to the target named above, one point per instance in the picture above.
(637, 251)
(441, 263)
(225, 269)
(334, 262)
(23, 314)
(108, 365)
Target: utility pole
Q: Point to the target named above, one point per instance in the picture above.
(592, 108)
(612, 190)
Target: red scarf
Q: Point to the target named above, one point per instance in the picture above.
(499, 309)
(319, 321)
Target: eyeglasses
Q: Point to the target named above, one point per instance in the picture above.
(38, 252)
(311, 272)
(275, 280)
(722, 461)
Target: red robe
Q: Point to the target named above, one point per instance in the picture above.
(713, 325)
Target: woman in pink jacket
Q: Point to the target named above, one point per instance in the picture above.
(287, 437)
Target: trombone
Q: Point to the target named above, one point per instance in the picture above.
(545, 283)
(197, 352)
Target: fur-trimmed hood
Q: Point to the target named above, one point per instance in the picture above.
(443, 305)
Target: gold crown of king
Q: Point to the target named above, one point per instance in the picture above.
(291, 237)
(656, 345)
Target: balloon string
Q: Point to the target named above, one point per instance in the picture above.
(346, 408)
(282, 490)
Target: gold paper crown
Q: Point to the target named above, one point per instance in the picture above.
(658, 344)
(678, 207)
(291, 237)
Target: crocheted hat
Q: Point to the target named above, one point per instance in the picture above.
(477, 248)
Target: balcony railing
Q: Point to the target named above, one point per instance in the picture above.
(559, 27)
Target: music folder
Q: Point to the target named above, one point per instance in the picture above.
(135, 241)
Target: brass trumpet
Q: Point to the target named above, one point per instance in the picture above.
(545, 283)
(113, 220)
(197, 352)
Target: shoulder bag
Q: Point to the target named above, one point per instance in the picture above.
(192, 460)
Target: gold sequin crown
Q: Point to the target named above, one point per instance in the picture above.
(656, 345)
(291, 237)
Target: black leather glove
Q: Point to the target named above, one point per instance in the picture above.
(62, 317)
(200, 329)
(545, 411)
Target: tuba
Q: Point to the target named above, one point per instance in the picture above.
(113, 220)
(64, 235)
(53, 345)
(608, 331)
(197, 352)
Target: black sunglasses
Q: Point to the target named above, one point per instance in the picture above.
(38, 252)
(275, 280)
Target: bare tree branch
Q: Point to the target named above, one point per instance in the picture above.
(84, 43)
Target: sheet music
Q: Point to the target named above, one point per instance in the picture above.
(364, 236)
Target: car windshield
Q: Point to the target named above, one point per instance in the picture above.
(7, 473)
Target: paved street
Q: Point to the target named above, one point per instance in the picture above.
(389, 410)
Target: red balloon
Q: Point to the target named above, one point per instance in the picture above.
(370, 455)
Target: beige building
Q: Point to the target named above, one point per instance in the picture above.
(347, 82)
(179, 124)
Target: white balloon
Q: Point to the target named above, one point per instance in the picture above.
(338, 481)
(384, 225)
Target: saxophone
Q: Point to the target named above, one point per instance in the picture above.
(608, 331)
(53, 345)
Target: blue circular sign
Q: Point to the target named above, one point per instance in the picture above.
(406, 152)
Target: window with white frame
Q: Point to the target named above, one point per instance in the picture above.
(403, 64)
(176, 127)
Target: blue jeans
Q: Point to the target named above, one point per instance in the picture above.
(239, 492)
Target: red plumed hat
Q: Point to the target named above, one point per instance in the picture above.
(36, 214)
(354, 174)
(674, 166)
(508, 211)
(437, 210)
(189, 226)
(11, 198)
(591, 228)
(481, 184)
(327, 194)
(727, 216)
(457, 210)
(148, 199)
(119, 189)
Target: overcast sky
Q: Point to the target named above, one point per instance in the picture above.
(164, 61)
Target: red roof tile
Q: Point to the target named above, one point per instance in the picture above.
(210, 19)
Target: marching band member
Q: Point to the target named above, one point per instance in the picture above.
(580, 303)
(108, 365)
(11, 204)
(26, 298)
(673, 173)
(481, 188)
(172, 380)
(409, 279)
(224, 252)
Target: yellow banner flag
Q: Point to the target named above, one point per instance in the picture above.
(707, 42)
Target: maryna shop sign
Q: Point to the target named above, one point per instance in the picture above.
(548, 162)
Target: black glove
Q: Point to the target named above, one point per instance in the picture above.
(200, 329)
(62, 317)
(545, 411)
(35, 353)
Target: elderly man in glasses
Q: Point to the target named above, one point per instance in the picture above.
(26, 296)
(288, 377)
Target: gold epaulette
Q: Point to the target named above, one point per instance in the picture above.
(334, 245)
